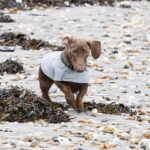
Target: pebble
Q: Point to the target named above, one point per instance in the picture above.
(13, 144)
(104, 120)
(124, 4)
(143, 147)
(127, 42)
(126, 66)
(61, 140)
(108, 129)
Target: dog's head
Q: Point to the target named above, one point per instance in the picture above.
(78, 50)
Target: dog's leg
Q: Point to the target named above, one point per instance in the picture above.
(82, 92)
(45, 84)
(68, 93)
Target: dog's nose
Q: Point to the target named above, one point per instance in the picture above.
(80, 68)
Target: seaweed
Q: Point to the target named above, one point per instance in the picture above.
(20, 39)
(22, 105)
(5, 18)
(111, 108)
(11, 67)
(30, 4)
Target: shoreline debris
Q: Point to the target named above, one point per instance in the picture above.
(22, 105)
(20, 39)
(11, 67)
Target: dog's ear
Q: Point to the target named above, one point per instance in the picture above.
(95, 47)
(66, 39)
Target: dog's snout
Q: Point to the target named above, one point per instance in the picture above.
(80, 68)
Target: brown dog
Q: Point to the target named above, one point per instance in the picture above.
(73, 60)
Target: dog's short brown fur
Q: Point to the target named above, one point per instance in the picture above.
(76, 52)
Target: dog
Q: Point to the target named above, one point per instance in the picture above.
(68, 69)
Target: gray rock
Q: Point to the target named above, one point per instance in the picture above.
(126, 66)
(104, 120)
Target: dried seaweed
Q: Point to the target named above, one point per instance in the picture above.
(5, 18)
(20, 39)
(22, 105)
(111, 108)
(30, 4)
(10, 4)
(11, 67)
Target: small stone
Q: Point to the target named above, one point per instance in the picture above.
(137, 91)
(13, 144)
(139, 118)
(94, 112)
(108, 145)
(124, 4)
(79, 149)
(132, 106)
(126, 66)
(107, 77)
(139, 106)
(54, 138)
(124, 138)
(115, 52)
(106, 35)
(143, 147)
(89, 136)
(134, 141)
(107, 98)
(27, 139)
(141, 112)
(34, 143)
(147, 135)
(127, 42)
(66, 3)
(104, 120)
(108, 129)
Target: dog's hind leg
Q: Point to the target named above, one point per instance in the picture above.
(45, 84)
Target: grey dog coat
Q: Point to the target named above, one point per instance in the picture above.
(53, 67)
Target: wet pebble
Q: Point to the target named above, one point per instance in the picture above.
(143, 147)
(127, 42)
(34, 143)
(61, 140)
(124, 4)
(13, 144)
(126, 66)
(115, 52)
(104, 120)
(132, 106)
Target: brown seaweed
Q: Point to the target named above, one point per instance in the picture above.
(20, 39)
(22, 105)
(5, 18)
(111, 108)
(11, 67)
(30, 4)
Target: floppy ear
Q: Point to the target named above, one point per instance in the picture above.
(95, 47)
(66, 39)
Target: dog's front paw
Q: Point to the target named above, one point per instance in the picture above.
(79, 107)
(71, 103)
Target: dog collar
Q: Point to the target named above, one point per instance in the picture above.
(66, 62)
